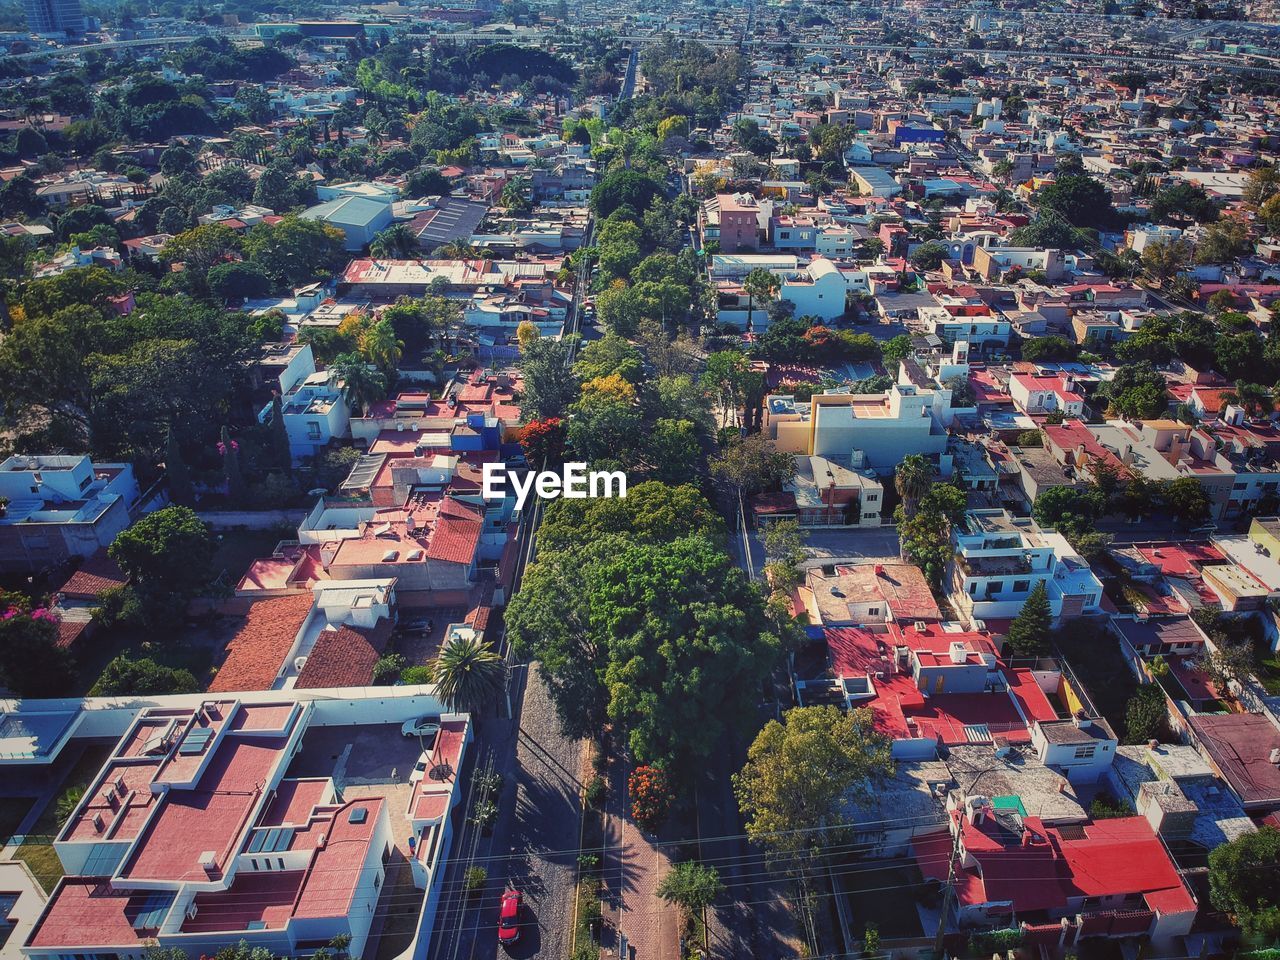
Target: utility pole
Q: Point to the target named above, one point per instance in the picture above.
(949, 892)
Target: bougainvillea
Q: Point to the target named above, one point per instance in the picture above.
(651, 796)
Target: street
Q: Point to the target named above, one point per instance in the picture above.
(533, 845)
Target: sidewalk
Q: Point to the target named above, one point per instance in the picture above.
(632, 871)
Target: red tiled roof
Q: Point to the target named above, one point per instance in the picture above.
(344, 657)
(256, 652)
(97, 574)
(457, 532)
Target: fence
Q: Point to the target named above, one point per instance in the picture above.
(252, 519)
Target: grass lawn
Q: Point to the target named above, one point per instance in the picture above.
(12, 810)
(38, 853)
(186, 651)
(1268, 666)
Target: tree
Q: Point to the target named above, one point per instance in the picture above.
(676, 615)
(125, 676)
(543, 441)
(895, 350)
(672, 451)
(1187, 500)
(1262, 185)
(296, 251)
(164, 554)
(912, 479)
(1079, 199)
(926, 537)
(1049, 349)
(548, 388)
(238, 281)
(1145, 716)
(1223, 241)
(378, 345)
(1069, 510)
(200, 248)
(651, 513)
(469, 673)
(1029, 632)
(526, 332)
(750, 465)
(1231, 662)
(1244, 880)
(1166, 258)
(31, 662)
(396, 242)
(230, 451)
(611, 354)
(759, 284)
(175, 469)
(929, 255)
(800, 776)
(624, 188)
(691, 886)
(361, 384)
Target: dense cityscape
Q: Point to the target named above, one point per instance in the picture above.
(698, 480)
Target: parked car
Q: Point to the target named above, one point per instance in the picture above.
(421, 727)
(509, 918)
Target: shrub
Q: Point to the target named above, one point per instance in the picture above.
(415, 675)
(388, 667)
(596, 792)
(474, 879)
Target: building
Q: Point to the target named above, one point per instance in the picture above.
(194, 835)
(55, 16)
(1037, 396)
(732, 220)
(1241, 750)
(1000, 559)
(868, 431)
(360, 218)
(53, 508)
(315, 409)
(1063, 883)
(865, 595)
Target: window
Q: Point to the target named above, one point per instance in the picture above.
(1240, 486)
(313, 429)
(784, 235)
(1086, 751)
(872, 497)
(1021, 586)
(873, 611)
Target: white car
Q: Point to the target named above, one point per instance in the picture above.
(421, 727)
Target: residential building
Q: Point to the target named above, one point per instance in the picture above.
(732, 220)
(53, 508)
(1100, 878)
(1000, 559)
(871, 431)
(195, 836)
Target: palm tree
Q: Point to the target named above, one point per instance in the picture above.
(468, 672)
(758, 284)
(912, 481)
(456, 250)
(381, 348)
(396, 242)
(1253, 397)
(362, 384)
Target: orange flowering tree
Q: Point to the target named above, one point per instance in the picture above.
(651, 795)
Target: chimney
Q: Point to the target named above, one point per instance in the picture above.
(957, 651)
(1275, 756)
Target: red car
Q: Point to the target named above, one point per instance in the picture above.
(509, 918)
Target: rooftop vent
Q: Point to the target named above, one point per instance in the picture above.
(358, 815)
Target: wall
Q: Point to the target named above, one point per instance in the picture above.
(251, 519)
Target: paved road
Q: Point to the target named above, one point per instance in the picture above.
(532, 846)
(752, 918)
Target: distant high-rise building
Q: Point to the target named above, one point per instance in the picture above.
(55, 16)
